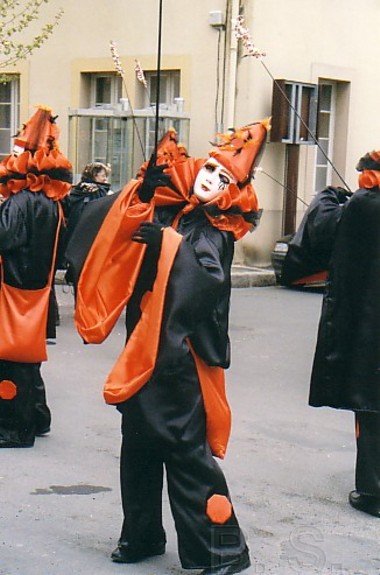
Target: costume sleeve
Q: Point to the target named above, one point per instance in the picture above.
(13, 230)
(311, 247)
(323, 219)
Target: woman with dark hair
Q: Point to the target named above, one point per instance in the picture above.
(92, 186)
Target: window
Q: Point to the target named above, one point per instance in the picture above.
(169, 90)
(105, 93)
(294, 112)
(326, 127)
(105, 90)
(102, 130)
(9, 115)
(169, 87)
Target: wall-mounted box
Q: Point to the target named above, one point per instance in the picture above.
(216, 18)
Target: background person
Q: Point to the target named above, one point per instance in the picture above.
(92, 186)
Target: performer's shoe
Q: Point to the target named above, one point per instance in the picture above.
(366, 503)
(126, 554)
(10, 443)
(41, 432)
(241, 563)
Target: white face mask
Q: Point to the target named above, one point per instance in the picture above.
(211, 180)
(17, 150)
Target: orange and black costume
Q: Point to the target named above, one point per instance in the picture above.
(32, 183)
(168, 382)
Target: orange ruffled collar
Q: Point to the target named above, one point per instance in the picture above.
(369, 179)
(235, 210)
(47, 172)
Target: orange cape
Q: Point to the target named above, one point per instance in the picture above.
(106, 283)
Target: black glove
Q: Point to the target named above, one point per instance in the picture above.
(154, 178)
(343, 195)
(148, 233)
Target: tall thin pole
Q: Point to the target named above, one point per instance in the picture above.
(158, 79)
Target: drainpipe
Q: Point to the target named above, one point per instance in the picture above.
(232, 73)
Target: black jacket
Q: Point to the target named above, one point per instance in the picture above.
(28, 225)
(79, 197)
(346, 370)
(198, 294)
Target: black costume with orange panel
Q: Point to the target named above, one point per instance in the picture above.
(346, 372)
(33, 182)
(168, 382)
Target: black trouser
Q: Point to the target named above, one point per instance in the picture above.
(164, 426)
(27, 413)
(368, 453)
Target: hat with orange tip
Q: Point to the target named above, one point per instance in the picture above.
(240, 150)
(36, 162)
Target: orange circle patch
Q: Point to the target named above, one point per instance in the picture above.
(8, 390)
(218, 509)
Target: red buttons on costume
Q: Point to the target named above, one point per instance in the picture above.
(218, 509)
(8, 390)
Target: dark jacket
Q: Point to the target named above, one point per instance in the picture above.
(28, 224)
(346, 370)
(198, 294)
(309, 251)
(79, 197)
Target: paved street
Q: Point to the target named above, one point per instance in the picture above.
(289, 467)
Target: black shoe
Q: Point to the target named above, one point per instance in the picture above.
(41, 432)
(241, 563)
(126, 554)
(10, 443)
(366, 503)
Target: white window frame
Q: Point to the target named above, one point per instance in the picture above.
(14, 103)
(170, 75)
(331, 135)
(114, 97)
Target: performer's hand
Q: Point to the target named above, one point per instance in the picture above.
(154, 178)
(148, 233)
(342, 194)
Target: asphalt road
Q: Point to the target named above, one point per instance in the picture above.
(289, 467)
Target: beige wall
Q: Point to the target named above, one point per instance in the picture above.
(304, 40)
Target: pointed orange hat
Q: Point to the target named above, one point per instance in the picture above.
(239, 150)
(36, 163)
(40, 132)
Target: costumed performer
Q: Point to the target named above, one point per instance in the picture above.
(165, 249)
(346, 372)
(33, 179)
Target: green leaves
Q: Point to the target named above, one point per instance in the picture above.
(15, 18)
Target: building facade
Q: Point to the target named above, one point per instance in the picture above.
(320, 53)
